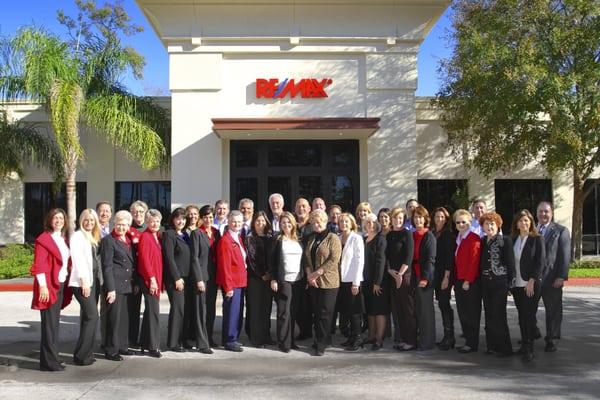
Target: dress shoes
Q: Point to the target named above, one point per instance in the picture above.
(206, 350)
(406, 347)
(446, 344)
(127, 353)
(113, 357)
(178, 349)
(294, 346)
(355, 345)
(550, 347)
(284, 349)
(319, 352)
(527, 357)
(233, 347)
(83, 363)
(376, 346)
(466, 349)
(155, 353)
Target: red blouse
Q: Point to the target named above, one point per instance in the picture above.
(418, 237)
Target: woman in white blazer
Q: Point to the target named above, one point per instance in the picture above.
(85, 265)
(351, 303)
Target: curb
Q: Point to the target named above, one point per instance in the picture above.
(574, 282)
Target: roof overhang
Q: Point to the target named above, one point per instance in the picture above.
(294, 128)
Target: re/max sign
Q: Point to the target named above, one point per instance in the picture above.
(306, 88)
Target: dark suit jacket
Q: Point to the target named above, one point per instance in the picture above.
(427, 252)
(375, 261)
(200, 255)
(557, 243)
(177, 255)
(259, 253)
(118, 264)
(399, 249)
(532, 258)
(444, 256)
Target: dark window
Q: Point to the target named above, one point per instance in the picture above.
(310, 187)
(155, 194)
(294, 154)
(245, 188)
(513, 195)
(591, 222)
(343, 193)
(449, 193)
(247, 156)
(39, 199)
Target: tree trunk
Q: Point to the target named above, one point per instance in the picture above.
(577, 227)
(71, 173)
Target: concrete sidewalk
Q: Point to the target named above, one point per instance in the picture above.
(573, 372)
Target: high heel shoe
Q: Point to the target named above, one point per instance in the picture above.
(447, 344)
(355, 345)
(376, 346)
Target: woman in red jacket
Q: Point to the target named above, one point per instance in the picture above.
(50, 269)
(150, 271)
(232, 277)
(467, 288)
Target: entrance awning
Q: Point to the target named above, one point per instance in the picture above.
(294, 128)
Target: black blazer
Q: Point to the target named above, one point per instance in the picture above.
(427, 254)
(506, 253)
(399, 249)
(118, 264)
(558, 253)
(200, 255)
(177, 256)
(532, 258)
(276, 259)
(375, 259)
(444, 256)
(259, 251)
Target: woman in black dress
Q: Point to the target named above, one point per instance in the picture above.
(444, 277)
(376, 288)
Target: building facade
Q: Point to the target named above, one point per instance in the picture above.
(298, 97)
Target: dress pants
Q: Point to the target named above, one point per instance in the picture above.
(258, 309)
(117, 325)
(425, 314)
(468, 305)
(50, 322)
(180, 314)
(287, 300)
(552, 298)
(403, 302)
(305, 313)
(232, 317)
(443, 298)
(497, 335)
(527, 309)
(211, 306)
(134, 303)
(323, 306)
(189, 312)
(100, 297)
(150, 335)
(199, 320)
(88, 319)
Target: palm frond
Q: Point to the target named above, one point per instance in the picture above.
(22, 144)
(124, 121)
(64, 104)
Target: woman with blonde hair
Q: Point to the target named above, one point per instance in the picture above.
(85, 265)
(362, 210)
(286, 280)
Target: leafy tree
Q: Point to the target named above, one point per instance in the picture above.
(523, 84)
(78, 81)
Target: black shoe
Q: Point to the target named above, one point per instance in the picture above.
(466, 349)
(358, 344)
(284, 349)
(127, 352)
(177, 349)
(234, 347)
(527, 356)
(113, 357)
(370, 341)
(57, 369)
(490, 352)
(135, 346)
(270, 342)
(83, 363)
(347, 343)
(550, 347)
(155, 353)
(295, 346)
(376, 346)
(446, 344)
(212, 344)
(259, 346)
(319, 352)
(207, 350)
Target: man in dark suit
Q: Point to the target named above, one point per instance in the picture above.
(554, 271)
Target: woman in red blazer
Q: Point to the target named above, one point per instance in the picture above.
(150, 271)
(467, 288)
(232, 277)
(50, 269)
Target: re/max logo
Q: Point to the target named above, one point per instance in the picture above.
(306, 88)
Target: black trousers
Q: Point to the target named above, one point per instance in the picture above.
(150, 335)
(468, 305)
(88, 319)
(199, 320)
(117, 325)
(134, 303)
(323, 306)
(100, 296)
(497, 335)
(305, 316)
(527, 309)
(443, 298)
(425, 317)
(287, 300)
(211, 309)
(258, 309)
(552, 298)
(50, 322)
(180, 315)
(403, 311)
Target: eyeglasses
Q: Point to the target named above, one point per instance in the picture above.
(460, 222)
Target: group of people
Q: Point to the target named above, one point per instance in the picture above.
(323, 268)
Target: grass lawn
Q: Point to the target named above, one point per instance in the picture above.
(584, 273)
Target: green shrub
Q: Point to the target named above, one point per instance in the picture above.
(15, 260)
(581, 264)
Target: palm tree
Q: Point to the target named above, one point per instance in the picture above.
(78, 83)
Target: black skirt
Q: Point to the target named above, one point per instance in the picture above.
(377, 305)
(348, 303)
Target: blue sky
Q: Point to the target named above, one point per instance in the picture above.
(43, 13)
